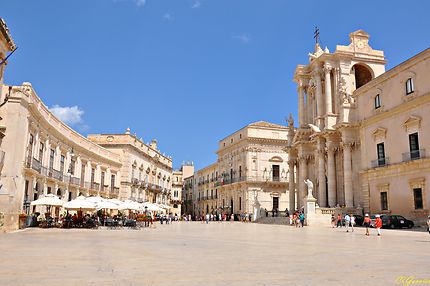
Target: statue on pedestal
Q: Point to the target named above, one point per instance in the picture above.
(310, 187)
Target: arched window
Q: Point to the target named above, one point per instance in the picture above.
(59, 193)
(362, 74)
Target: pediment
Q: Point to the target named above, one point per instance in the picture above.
(412, 121)
(276, 159)
(379, 132)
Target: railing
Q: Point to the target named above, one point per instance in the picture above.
(35, 165)
(114, 190)
(75, 181)
(261, 179)
(381, 162)
(134, 181)
(414, 155)
(87, 185)
(57, 175)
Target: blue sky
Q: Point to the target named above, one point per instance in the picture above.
(188, 72)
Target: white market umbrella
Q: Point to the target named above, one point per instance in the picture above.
(115, 201)
(95, 200)
(106, 205)
(163, 206)
(130, 205)
(151, 207)
(48, 200)
(80, 203)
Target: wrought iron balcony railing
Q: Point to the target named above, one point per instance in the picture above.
(414, 155)
(381, 162)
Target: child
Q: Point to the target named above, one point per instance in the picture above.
(366, 223)
(378, 224)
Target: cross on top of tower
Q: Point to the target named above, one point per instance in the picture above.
(316, 34)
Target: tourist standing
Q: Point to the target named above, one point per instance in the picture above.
(428, 224)
(339, 220)
(207, 218)
(378, 224)
(352, 222)
(302, 219)
(333, 221)
(366, 223)
(347, 222)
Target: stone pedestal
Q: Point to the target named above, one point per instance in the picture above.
(310, 209)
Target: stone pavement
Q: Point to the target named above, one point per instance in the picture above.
(192, 253)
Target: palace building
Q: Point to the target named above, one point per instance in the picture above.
(361, 134)
(40, 155)
(251, 174)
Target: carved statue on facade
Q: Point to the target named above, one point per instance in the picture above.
(343, 93)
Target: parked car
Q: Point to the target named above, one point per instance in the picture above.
(359, 220)
(397, 221)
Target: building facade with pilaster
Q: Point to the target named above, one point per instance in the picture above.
(361, 134)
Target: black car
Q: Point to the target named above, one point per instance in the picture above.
(359, 220)
(397, 221)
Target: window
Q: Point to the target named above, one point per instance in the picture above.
(41, 147)
(112, 181)
(240, 171)
(275, 173)
(377, 101)
(381, 154)
(409, 86)
(30, 146)
(82, 174)
(102, 181)
(72, 167)
(240, 136)
(51, 159)
(240, 203)
(384, 201)
(49, 190)
(414, 146)
(62, 163)
(93, 172)
(418, 198)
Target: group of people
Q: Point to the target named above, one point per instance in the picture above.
(348, 221)
(297, 219)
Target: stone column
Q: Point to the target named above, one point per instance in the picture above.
(328, 98)
(322, 197)
(302, 115)
(320, 104)
(292, 186)
(347, 169)
(331, 174)
(303, 165)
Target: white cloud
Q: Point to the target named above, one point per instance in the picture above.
(168, 17)
(196, 5)
(70, 115)
(140, 3)
(244, 38)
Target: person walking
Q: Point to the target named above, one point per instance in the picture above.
(352, 222)
(207, 218)
(333, 221)
(366, 223)
(339, 221)
(347, 222)
(428, 224)
(302, 219)
(378, 224)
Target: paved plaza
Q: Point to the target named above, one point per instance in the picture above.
(192, 253)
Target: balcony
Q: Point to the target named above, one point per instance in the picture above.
(57, 175)
(35, 165)
(381, 162)
(256, 179)
(87, 185)
(414, 155)
(75, 181)
(114, 190)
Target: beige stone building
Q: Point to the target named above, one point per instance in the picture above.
(251, 173)
(394, 117)
(361, 136)
(146, 173)
(178, 187)
(44, 156)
